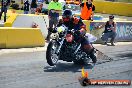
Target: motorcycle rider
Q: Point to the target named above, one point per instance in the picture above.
(75, 23)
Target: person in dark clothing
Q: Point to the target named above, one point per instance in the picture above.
(26, 7)
(87, 10)
(4, 7)
(110, 31)
(75, 23)
(33, 6)
(54, 8)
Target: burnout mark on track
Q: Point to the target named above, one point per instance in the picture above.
(125, 55)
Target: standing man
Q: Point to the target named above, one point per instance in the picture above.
(26, 7)
(33, 6)
(87, 10)
(54, 8)
(4, 7)
(110, 31)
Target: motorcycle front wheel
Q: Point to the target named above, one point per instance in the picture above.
(51, 56)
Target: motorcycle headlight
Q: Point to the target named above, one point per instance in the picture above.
(60, 29)
(54, 35)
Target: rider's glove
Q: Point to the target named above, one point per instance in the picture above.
(82, 32)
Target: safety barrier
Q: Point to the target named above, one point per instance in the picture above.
(118, 8)
(26, 21)
(20, 37)
(123, 30)
(9, 22)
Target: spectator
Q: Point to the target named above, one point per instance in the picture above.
(87, 10)
(33, 6)
(39, 9)
(4, 7)
(54, 8)
(110, 31)
(26, 7)
(45, 7)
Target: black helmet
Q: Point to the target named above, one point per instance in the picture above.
(67, 13)
(111, 17)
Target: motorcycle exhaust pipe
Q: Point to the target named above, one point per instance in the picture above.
(59, 46)
(77, 49)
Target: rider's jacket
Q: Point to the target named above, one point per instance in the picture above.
(74, 23)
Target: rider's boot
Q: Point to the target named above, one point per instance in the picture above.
(89, 49)
(92, 56)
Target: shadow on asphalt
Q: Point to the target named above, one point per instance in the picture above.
(66, 67)
(125, 55)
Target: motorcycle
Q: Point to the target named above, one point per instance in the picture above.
(64, 46)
